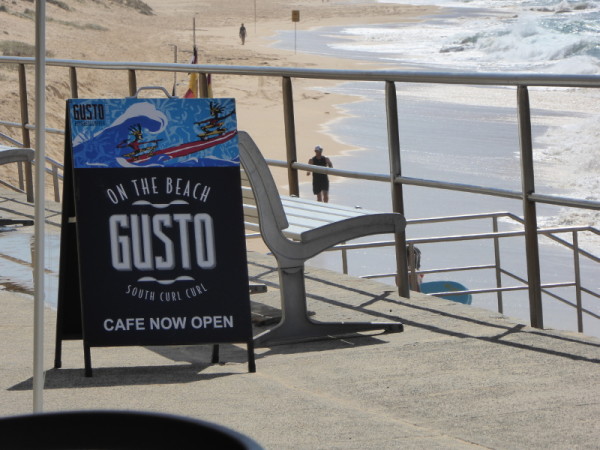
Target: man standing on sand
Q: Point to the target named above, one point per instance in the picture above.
(243, 34)
(320, 181)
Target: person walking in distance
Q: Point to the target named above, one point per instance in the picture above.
(243, 34)
(320, 181)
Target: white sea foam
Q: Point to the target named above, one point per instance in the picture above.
(525, 42)
(570, 158)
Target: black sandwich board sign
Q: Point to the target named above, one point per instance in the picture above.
(152, 246)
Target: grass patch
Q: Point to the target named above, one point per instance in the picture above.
(138, 5)
(80, 26)
(16, 48)
(28, 13)
(61, 5)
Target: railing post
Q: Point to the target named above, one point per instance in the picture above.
(529, 210)
(413, 277)
(290, 135)
(24, 110)
(24, 118)
(73, 82)
(397, 194)
(55, 183)
(203, 88)
(577, 281)
(497, 265)
(132, 82)
(344, 261)
(26, 135)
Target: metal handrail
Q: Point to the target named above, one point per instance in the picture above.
(481, 79)
(496, 236)
(461, 187)
(395, 178)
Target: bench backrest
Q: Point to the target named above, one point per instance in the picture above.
(250, 210)
(264, 191)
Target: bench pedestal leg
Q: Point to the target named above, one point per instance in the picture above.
(295, 324)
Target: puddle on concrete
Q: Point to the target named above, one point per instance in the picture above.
(16, 271)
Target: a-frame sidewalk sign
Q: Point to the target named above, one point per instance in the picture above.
(152, 246)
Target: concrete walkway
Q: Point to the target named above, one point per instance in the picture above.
(457, 377)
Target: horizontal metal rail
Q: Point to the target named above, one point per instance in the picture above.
(395, 178)
(498, 290)
(30, 127)
(495, 192)
(11, 140)
(559, 298)
(481, 79)
(432, 271)
(466, 237)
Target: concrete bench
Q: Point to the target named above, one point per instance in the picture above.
(302, 214)
(20, 155)
(296, 230)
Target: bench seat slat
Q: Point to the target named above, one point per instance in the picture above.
(320, 215)
(302, 214)
(309, 220)
(314, 205)
(293, 232)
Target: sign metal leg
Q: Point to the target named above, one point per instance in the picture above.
(87, 356)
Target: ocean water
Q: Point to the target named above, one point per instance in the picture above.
(532, 36)
(469, 135)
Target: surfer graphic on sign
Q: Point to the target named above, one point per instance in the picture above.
(214, 132)
(136, 143)
(214, 125)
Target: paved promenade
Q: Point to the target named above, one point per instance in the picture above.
(457, 377)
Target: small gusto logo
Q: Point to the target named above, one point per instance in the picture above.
(88, 111)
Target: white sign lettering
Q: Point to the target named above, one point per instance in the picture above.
(132, 244)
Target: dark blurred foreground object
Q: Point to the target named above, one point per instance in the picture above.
(116, 430)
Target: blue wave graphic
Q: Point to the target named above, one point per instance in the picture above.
(130, 127)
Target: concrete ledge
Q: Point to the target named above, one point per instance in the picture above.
(457, 377)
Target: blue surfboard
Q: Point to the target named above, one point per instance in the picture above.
(433, 287)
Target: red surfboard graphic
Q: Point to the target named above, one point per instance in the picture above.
(185, 149)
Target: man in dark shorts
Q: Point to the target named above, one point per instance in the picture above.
(320, 180)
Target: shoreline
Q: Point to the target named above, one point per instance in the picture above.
(258, 99)
(313, 107)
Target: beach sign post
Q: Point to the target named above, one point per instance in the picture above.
(153, 243)
(295, 19)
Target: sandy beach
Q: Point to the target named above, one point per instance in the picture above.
(108, 31)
